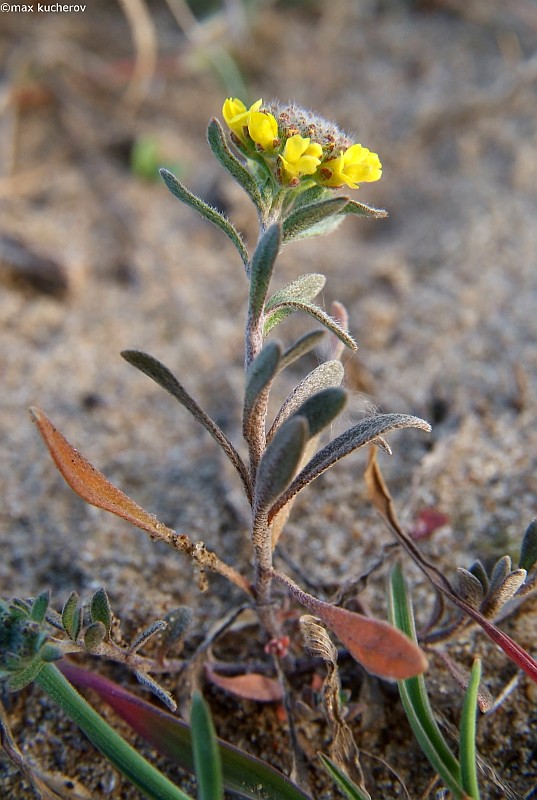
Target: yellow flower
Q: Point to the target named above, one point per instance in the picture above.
(356, 165)
(263, 129)
(300, 157)
(237, 116)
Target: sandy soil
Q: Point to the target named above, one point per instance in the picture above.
(441, 296)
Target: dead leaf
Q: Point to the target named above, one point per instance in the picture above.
(250, 686)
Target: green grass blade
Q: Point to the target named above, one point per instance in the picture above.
(152, 783)
(467, 748)
(415, 699)
(348, 787)
(206, 754)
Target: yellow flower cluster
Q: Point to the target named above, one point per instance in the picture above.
(324, 155)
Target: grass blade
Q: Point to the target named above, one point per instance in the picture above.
(467, 748)
(414, 695)
(348, 787)
(206, 753)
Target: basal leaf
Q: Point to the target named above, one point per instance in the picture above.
(100, 609)
(72, 616)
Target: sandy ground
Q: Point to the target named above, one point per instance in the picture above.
(441, 297)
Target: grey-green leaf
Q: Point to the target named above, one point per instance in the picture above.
(155, 627)
(217, 143)
(162, 375)
(208, 212)
(100, 610)
(280, 312)
(469, 587)
(72, 616)
(301, 347)
(261, 269)
(206, 753)
(156, 689)
(357, 436)
(528, 548)
(304, 288)
(322, 408)
(360, 209)
(94, 636)
(259, 377)
(280, 462)
(329, 373)
(40, 606)
(303, 219)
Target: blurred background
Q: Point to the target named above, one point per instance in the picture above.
(96, 256)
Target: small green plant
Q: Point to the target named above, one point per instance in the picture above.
(289, 162)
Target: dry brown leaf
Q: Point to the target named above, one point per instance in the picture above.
(250, 686)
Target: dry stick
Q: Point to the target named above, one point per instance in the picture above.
(145, 43)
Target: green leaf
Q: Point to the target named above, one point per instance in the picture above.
(415, 698)
(280, 461)
(39, 606)
(162, 375)
(528, 549)
(280, 312)
(72, 616)
(207, 211)
(304, 288)
(348, 787)
(301, 347)
(100, 610)
(217, 143)
(152, 783)
(206, 753)
(22, 677)
(327, 374)
(261, 270)
(322, 408)
(303, 219)
(362, 210)
(243, 774)
(94, 636)
(260, 374)
(355, 437)
(467, 748)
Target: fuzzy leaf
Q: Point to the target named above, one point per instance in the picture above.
(156, 689)
(211, 214)
(357, 436)
(155, 627)
(326, 375)
(353, 207)
(469, 587)
(72, 616)
(304, 288)
(259, 377)
(90, 484)
(480, 573)
(217, 143)
(261, 269)
(528, 549)
(178, 620)
(205, 749)
(160, 374)
(322, 408)
(100, 609)
(300, 348)
(243, 774)
(250, 686)
(18, 680)
(40, 606)
(283, 310)
(280, 461)
(94, 636)
(303, 219)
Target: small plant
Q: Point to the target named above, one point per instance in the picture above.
(289, 162)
